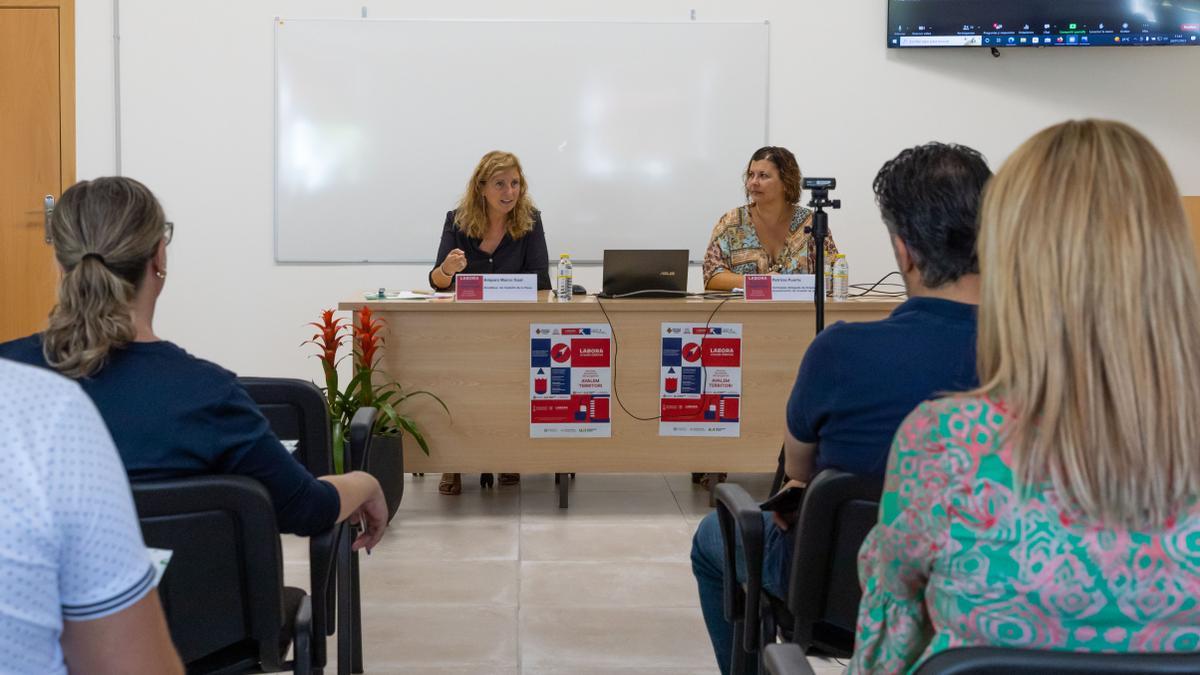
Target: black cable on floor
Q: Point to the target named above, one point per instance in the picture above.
(725, 297)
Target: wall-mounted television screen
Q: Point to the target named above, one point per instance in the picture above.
(1042, 23)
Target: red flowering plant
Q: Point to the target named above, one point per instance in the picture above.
(368, 386)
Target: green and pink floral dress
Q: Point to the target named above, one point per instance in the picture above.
(957, 560)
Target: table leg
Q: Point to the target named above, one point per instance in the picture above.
(563, 480)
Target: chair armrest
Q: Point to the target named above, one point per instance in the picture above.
(322, 564)
(786, 659)
(741, 523)
(361, 426)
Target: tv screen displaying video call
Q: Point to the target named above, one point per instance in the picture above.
(1042, 23)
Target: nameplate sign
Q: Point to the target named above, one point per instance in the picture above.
(785, 287)
(495, 288)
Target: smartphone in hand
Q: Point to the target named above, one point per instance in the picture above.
(786, 501)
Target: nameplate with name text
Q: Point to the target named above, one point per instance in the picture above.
(780, 287)
(495, 288)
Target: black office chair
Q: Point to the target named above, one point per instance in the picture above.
(821, 609)
(786, 659)
(296, 410)
(1003, 661)
(222, 592)
(741, 522)
(839, 511)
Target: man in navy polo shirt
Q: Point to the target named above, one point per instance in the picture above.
(858, 381)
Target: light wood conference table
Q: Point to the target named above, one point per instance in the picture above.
(475, 356)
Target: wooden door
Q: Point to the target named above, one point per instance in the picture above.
(1192, 206)
(37, 151)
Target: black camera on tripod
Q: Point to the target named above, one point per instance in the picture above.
(820, 187)
(819, 229)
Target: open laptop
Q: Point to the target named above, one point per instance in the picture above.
(645, 273)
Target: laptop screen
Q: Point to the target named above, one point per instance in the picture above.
(645, 273)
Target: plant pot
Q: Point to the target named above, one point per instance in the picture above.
(386, 463)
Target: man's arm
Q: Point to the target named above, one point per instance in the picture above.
(103, 646)
(799, 458)
(813, 396)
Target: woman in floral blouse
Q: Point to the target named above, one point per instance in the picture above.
(1056, 506)
(767, 234)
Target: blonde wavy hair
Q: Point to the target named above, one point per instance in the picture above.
(471, 214)
(1089, 324)
(104, 232)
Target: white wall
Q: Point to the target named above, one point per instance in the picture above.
(839, 99)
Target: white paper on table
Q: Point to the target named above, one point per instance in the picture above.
(159, 558)
(397, 295)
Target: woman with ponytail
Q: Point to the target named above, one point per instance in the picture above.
(170, 413)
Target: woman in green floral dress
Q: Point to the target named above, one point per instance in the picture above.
(1056, 507)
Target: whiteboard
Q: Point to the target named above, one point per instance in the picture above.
(632, 135)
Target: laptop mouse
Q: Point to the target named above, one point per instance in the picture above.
(576, 289)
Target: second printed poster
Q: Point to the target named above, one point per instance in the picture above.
(700, 381)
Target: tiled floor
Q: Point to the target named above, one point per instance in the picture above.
(503, 581)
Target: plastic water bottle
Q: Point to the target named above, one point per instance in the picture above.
(828, 277)
(841, 278)
(566, 278)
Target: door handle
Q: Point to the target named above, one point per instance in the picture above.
(48, 207)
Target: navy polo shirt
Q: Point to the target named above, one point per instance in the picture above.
(858, 381)
(173, 415)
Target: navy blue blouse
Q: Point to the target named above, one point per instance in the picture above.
(526, 255)
(173, 415)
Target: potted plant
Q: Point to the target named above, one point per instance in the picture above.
(368, 386)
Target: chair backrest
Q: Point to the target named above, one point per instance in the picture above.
(1003, 661)
(839, 510)
(224, 584)
(296, 410)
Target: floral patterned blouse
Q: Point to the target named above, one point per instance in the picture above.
(957, 560)
(735, 247)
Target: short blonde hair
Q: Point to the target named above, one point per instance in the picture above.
(471, 215)
(1089, 322)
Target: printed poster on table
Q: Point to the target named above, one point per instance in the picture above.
(700, 385)
(570, 380)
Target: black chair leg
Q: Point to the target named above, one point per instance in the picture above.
(356, 613)
(766, 635)
(486, 480)
(302, 639)
(737, 665)
(563, 484)
(345, 629)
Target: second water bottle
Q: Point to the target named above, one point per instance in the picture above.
(566, 278)
(841, 278)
